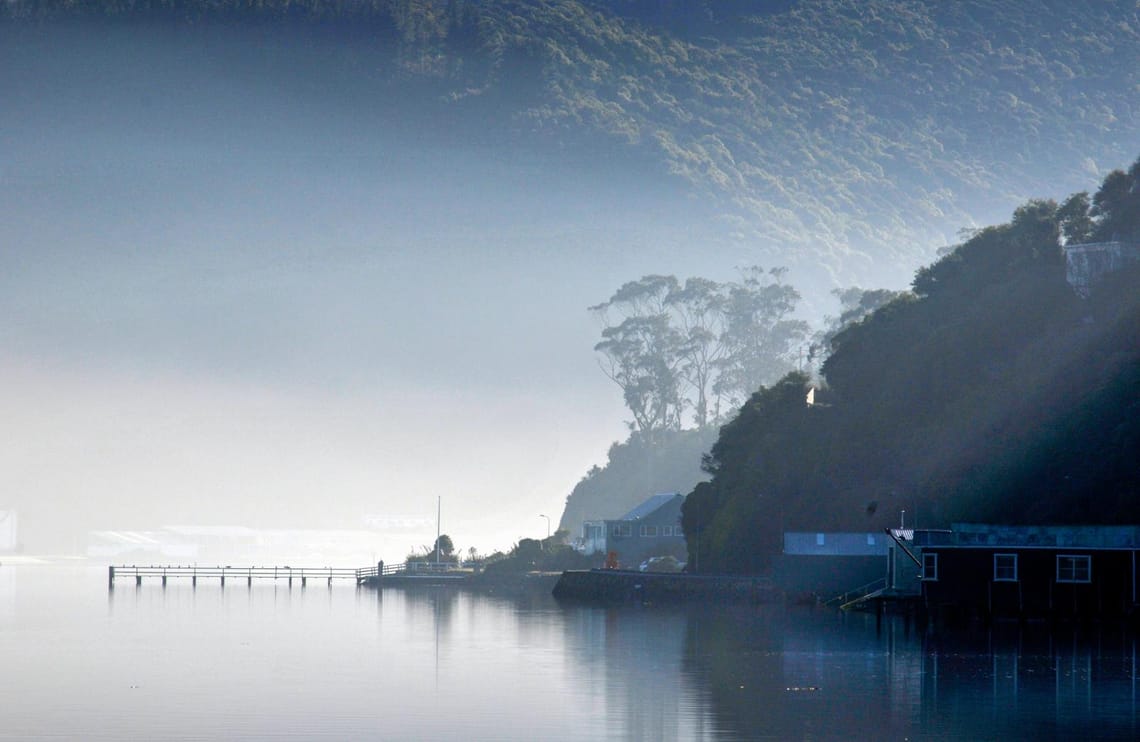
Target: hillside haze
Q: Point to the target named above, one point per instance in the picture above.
(341, 253)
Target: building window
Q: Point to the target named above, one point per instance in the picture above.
(1072, 568)
(666, 530)
(623, 529)
(649, 530)
(870, 539)
(1005, 567)
(930, 567)
(819, 539)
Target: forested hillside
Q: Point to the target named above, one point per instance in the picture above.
(852, 136)
(991, 393)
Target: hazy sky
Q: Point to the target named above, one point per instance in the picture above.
(242, 297)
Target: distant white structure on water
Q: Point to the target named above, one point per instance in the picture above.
(9, 531)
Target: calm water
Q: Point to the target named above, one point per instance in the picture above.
(80, 662)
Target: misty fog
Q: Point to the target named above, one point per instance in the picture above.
(239, 290)
(245, 282)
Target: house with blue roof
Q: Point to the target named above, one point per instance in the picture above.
(651, 529)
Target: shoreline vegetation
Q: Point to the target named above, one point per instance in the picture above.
(1001, 388)
(992, 392)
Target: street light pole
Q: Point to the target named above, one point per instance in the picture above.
(547, 524)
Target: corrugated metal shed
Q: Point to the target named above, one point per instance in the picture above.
(836, 544)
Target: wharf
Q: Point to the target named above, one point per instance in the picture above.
(415, 574)
(221, 574)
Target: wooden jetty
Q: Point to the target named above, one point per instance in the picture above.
(409, 574)
(402, 574)
(248, 574)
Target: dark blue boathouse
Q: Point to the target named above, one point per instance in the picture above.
(1030, 572)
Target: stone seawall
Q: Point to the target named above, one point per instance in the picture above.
(607, 585)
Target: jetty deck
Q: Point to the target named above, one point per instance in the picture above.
(247, 574)
(405, 574)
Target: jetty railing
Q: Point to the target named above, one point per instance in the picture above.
(381, 569)
(249, 574)
(429, 568)
(361, 575)
(856, 594)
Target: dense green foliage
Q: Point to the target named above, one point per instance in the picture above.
(827, 129)
(682, 352)
(992, 393)
(728, 338)
(533, 555)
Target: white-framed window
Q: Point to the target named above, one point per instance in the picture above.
(666, 530)
(623, 529)
(929, 567)
(1074, 568)
(649, 530)
(1005, 567)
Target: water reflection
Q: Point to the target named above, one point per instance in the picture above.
(634, 656)
(345, 663)
(1034, 682)
(800, 675)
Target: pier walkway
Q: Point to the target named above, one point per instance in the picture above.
(248, 574)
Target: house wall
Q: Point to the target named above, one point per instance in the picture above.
(823, 565)
(594, 537)
(657, 534)
(836, 544)
(1086, 265)
(824, 577)
(966, 583)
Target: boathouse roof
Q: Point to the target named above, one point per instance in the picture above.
(1043, 537)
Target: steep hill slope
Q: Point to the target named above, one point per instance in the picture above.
(993, 393)
(849, 135)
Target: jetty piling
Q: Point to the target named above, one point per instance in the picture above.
(167, 572)
(405, 574)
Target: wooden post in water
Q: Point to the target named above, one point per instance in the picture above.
(164, 580)
(223, 578)
(138, 580)
(111, 578)
(303, 579)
